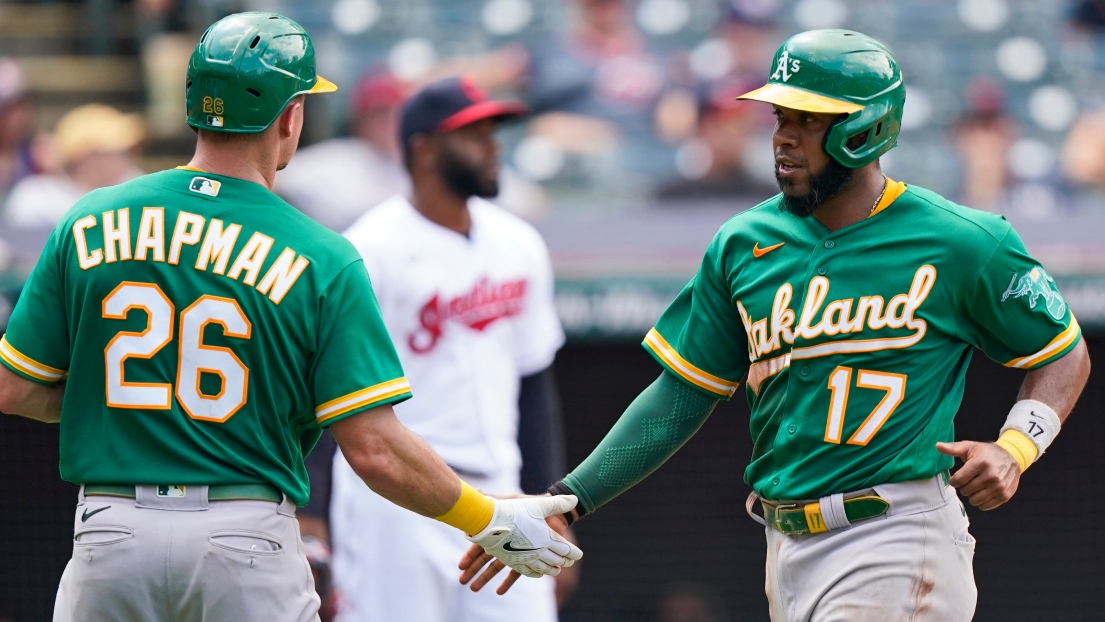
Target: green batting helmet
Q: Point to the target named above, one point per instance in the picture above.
(246, 68)
(845, 72)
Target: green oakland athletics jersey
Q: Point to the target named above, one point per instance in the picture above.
(855, 342)
(205, 331)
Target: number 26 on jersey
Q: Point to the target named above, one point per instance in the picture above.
(194, 357)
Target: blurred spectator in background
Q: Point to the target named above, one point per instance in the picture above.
(358, 171)
(16, 147)
(982, 138)
(97, 146)
(155, 16)
(714, 161)
(691, 602)
(1002, 171)
(601, 67)
(1088, 15)
(599, 95)
(599, 90)
(166, 42)
(1080, 39)
(1083, 154)
(748, 29)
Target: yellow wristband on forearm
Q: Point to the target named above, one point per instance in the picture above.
(1021, 447)
(472, 511)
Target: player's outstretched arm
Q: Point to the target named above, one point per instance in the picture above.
(991, 472)
(662, 418)
(397, 464)
(19, 396)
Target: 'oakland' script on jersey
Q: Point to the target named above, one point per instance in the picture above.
(477, 309)
(216, 248)
(837, 318)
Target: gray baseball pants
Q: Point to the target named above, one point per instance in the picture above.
(913, 564)
(153, 558)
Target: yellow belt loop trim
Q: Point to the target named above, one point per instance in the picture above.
(471, 513)
(1023, 450)
(813, 517)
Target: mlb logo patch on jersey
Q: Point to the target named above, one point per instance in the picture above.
(203, 185)
(214, 121)
(175, 492)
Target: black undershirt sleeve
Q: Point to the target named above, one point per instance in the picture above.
(540, 432)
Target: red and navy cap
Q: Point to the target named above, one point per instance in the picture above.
(447, 104)
(378, 89)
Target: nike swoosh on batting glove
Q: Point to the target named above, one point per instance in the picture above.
(519, 537)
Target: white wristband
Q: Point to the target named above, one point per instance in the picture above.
(1036, 420)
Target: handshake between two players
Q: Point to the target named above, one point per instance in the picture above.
(519, 537)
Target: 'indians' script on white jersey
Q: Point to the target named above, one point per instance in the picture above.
(470, 316)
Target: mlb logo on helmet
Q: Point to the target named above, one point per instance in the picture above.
(214, 121)
(203, 185)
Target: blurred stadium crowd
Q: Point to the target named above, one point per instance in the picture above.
(632, 100)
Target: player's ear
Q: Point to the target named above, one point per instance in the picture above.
(291, 119)
(422, 149)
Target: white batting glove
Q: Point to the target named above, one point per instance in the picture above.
(519, 537)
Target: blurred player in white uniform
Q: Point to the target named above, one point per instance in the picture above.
(466, 293)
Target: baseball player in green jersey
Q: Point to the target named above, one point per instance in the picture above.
(193, 333)
(850, 305)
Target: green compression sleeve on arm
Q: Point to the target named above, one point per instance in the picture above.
(663, 417)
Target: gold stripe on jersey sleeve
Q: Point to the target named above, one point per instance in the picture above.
(27, 365)
(361, 399)
(686, 370)
(1058, 344)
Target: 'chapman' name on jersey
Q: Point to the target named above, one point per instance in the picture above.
(216, 240)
